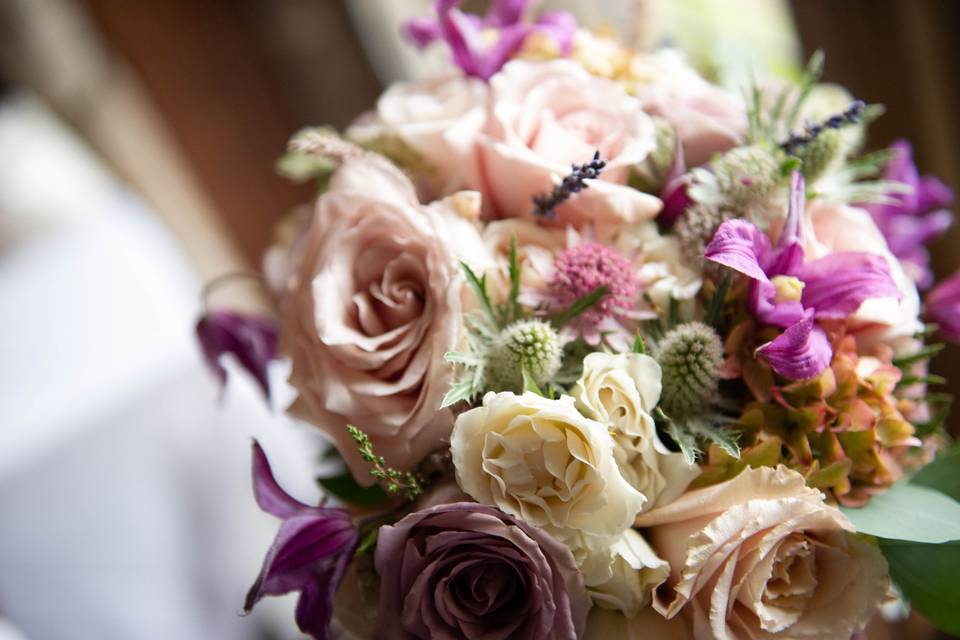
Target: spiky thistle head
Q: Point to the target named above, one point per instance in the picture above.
(747, 174)
(690, 356)
(697, 226)
(526, 344)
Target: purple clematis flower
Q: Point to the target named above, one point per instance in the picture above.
(252, 339)
(310, 553)
(943, 307)
(788, 293)
(674, 192)
(913, 219)
(481, 46)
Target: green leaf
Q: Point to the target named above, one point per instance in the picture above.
(718, 434)
(674, 312)
(479, 286)
(513, 308)
(368, 543)
(529, 384)
(909, 512)
(638, 345)
(460, 390)
(559, 320)
(943, 474)
(715, 306)
(345, 489)
(923, 354)
(684, 440)
(929, 577)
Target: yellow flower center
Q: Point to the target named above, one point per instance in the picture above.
(789, 289)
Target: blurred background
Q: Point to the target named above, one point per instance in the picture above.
(137, 147)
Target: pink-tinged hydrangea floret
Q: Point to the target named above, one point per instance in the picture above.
(581, 269)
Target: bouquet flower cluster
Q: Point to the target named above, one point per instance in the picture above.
(607, 351)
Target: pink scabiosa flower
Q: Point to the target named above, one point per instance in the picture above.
(480, 46)
(787, 292)
(579, 270)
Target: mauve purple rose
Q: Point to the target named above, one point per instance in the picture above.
(466, 570)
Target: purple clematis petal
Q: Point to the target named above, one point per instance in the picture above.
(674, 192)
(943, 307)
(802, 351)
(560, 27)
(252, 339)
(310, 554)
(740, 245)
(466, 35)
(504, 13)
(912, 219)
(836, 285)
(422, 31)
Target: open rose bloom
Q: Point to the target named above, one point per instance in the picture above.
(605, 350)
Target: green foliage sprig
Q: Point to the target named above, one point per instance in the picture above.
(393, 481)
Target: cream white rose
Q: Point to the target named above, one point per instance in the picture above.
(621, 391)
(545, 116)
(663, 272)
(762, 555)
(439, 118)
(372, 304)
(631, 575)
(540, 460)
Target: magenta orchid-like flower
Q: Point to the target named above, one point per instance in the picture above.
(252, 339)
(481, 46)
(789, 293)
(674, 193)
(943, 307)
(310, 553)
(912, 219)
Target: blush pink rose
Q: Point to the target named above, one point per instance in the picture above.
(707, 119)
(373, 303)
(762, 556)
(439, 118)
(545, 116)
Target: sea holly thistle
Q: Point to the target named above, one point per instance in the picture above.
(393, 481)
(506, 349)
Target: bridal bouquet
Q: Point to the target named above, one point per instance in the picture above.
(607, 351)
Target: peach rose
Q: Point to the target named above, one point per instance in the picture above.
(373, 304)
(706, 118)
(762, 555)
(833, 227)
(545, 116)
(439, 118)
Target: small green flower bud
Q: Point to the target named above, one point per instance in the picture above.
(747, 174)
(533, 344)
(690, 356)
(821, 153)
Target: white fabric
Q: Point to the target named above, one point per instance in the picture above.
(125, 502)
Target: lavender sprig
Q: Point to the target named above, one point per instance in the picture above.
(545, 204)
(852, 115)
